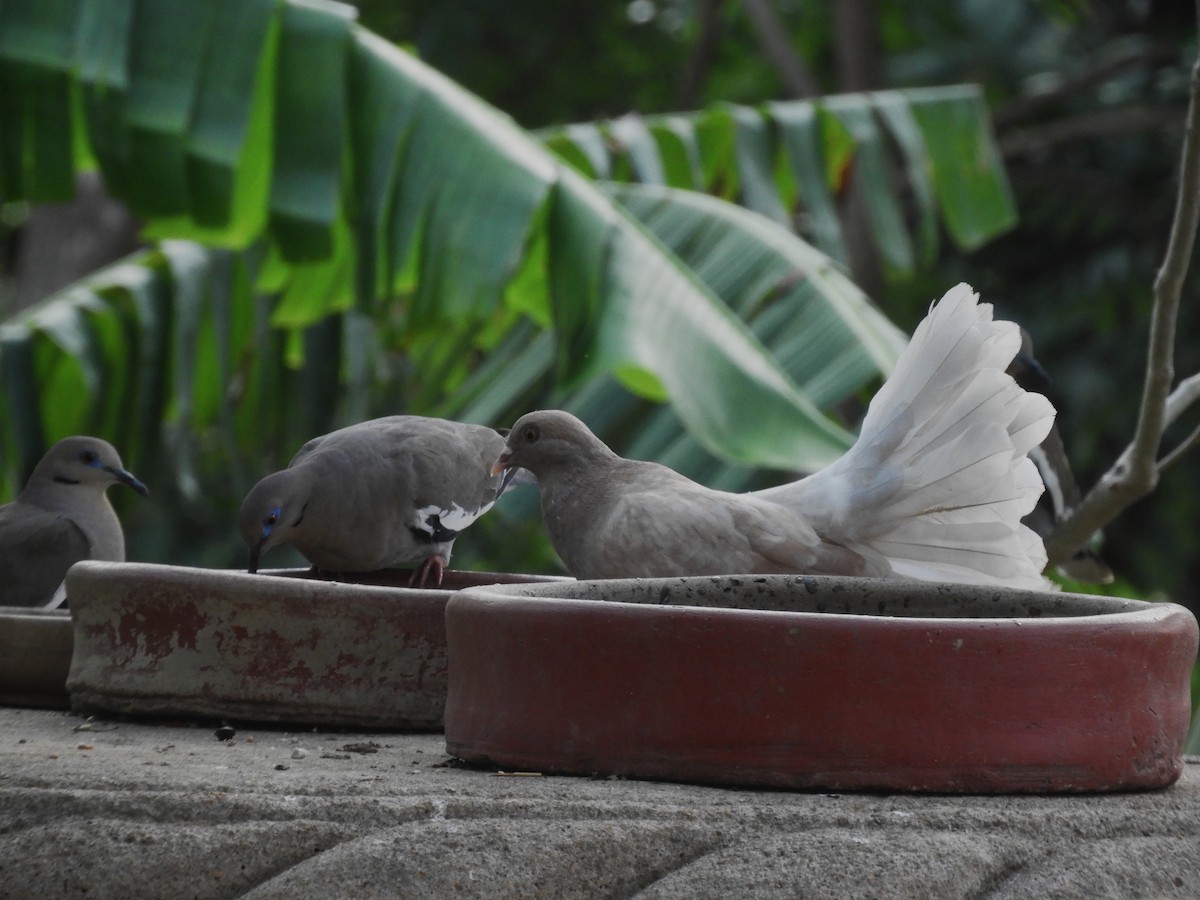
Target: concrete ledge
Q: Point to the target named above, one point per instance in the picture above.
(107, 808)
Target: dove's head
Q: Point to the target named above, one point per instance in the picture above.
(550, 440)
(271, 512)
(86, 462)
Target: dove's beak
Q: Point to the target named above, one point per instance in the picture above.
(502, 463)
(126, 477)
(255, 552)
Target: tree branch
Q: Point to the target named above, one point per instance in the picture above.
(1027, 107)
(1184, 395)
(772, 36)
(857, 54)
(702, 55)
(1184, 447)
(1085, 126)
(1135, 473)
(858, 45)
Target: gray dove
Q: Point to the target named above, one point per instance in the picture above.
(1062, 493)
(377, 495)
(62, 516)
(934, 488)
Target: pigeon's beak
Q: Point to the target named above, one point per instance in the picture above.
(255, 552)
(126, 477)
(502, 463)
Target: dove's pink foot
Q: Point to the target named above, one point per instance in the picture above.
(434, 566)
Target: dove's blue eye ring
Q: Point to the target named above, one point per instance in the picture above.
(88, 457)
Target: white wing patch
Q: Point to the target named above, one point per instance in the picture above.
(453, 519)
(1052, 481)
(59, 598)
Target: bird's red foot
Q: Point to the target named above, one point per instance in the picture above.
(434, 566)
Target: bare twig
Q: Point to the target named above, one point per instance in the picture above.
(1184, 396)
(1029, 106)
(858, 45)
(1186, 393)
(798, 80)
(703, 53)
(1086, 126)
(1193, 440)
(857, 52)
(1135, 473)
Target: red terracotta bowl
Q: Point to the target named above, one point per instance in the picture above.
(153, 640)
(807, 682)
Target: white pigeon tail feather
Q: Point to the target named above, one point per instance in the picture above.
(939, 478)
(1030, 425)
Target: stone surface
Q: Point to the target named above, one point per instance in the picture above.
(116, 808)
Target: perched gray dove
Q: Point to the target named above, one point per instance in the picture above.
(1062, 493)
(377, 495)
(934, 488)
(62, 516)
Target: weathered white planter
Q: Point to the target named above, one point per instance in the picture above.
(278, 647)
(811, 682)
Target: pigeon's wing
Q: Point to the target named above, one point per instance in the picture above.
(350, 435)
(662, 525)
(307, 449)
(36, 549)
(450, 479)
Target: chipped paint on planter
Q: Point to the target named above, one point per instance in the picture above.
(810, 682)
(275, 646)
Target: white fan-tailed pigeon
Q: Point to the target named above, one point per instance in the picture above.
(934, 488)
(377, 495)
(62, 516)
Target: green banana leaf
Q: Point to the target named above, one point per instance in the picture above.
(916, 154)
(344, 232)
(208, 399)
(386, 180)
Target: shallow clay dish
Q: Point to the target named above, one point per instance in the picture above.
(278, 646)
(35, 654)
(808, 682)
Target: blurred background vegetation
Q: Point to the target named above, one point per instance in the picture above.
(1086, 101)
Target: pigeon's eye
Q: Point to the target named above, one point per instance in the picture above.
(271, 518)
(531, 434)
(88, 457)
